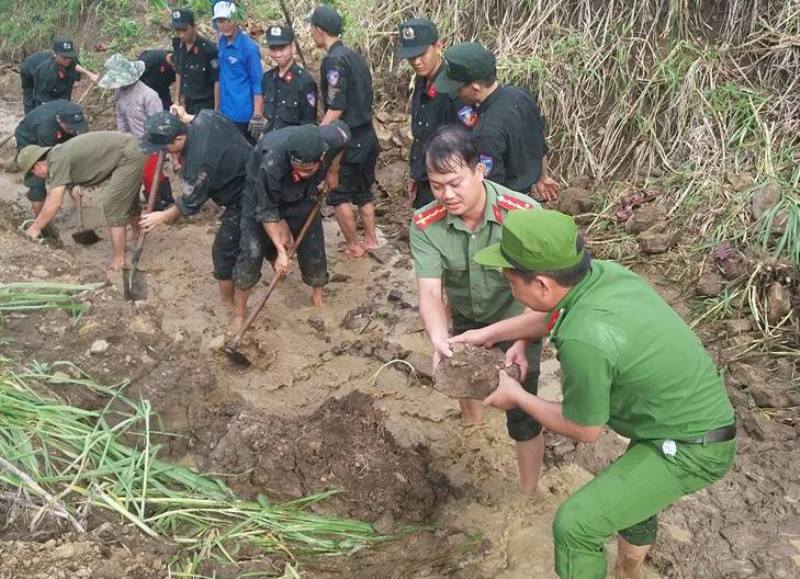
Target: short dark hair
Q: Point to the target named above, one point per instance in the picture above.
(564, 277)
(451, 147)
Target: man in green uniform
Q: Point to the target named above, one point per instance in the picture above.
(506, 120)
(346, 89)
(105, 157)
(50, 74)
(466, 217)
(196, 65)
(419, 43)
(48, 125)
(629, 362)
(290, 94)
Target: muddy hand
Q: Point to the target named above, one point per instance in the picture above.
(441, 349)
(150, 221)
(516, 355)
(507, 394)
(479, 337)
(547, 188)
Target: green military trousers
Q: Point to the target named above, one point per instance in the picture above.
(626, 498)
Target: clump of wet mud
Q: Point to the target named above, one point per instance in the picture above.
(471, 372)
(342, 445)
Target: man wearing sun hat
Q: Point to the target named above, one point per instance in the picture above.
(629, 363)
(506, 120)
(419, 44)
(290, 94)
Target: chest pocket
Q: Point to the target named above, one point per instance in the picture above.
(456, 269)
(289, 109)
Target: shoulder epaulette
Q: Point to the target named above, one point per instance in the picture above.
(423, 219)
(510, 203)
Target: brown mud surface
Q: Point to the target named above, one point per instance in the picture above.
(320, 410)
(471, 372)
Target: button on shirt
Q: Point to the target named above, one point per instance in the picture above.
(212, 171)
(346, 85)
(240, 76)
(429, 110)
(289, 100)
(198, 67)
(134, 104)
(510, 133)
(445, 250)
(629, 361)
(40, 126)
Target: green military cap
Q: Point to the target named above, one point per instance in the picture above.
(537, 240)
(327, 18)
(29, 156)
(416, 35)
(277, 35)
(160, 130)
(121, 72)
(464, 63)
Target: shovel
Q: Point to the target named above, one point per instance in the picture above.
(231, 349)
(84, 236)
(133, 285)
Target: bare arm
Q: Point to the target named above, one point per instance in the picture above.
(52, 204)
(434, 316)
(330, 116)
(258, 106)
(529, 325)
(276, 233)
(177, 88)
(216, 96)
(94, 77)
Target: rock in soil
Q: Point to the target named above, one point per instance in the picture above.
(740, 326)
(656, 240)
(471, 372)
(98, 347)
(575, 200)
(421, 363)
(779, 302)
(764, 199)
(709, 284)
(646, 217)
(342, 445)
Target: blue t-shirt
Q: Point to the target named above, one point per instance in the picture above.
(239, 76)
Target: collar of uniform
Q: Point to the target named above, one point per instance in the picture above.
(428, 81)
(578, 290)
(236, 38)
(488, 211)
(291, 71)
(336, 44)
(481, 108)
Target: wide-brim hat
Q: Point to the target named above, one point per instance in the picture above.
(29, 156)
(121, 71)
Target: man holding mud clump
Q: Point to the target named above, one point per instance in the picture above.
(629, 362)
(466, 217)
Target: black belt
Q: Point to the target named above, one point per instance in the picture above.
(719, 435)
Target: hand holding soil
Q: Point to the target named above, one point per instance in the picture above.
(471, 372)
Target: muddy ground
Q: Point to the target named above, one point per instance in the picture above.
(319, 410)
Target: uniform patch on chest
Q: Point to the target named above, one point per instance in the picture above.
(311, 97)
(468, 116)
(488, 163)
(333, 77)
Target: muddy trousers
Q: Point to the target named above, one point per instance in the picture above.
(626, 498)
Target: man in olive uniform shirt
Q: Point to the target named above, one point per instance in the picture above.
(629, 362)
(50, 74)
(290, 94)
(507, 121)
(287, 169)
(420, 45)
(159, 73)
(196, 65)
(104, 157)
(346, 88)
(466, 217)
(213, 155)
(48, 125)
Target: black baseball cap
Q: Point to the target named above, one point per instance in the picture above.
(416, 35)
(182, 17)
(336, 134)
(160, 130)
(326, 18)
(64, 47)
(464, 63)
(74, 120)
(278, 35)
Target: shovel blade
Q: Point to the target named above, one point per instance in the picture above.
(134, 285)
(85, 237)
(235, 356)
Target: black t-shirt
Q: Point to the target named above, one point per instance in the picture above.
(289, 100)
(198, 67)
(510, 132)
(346, 85)
(158, 73)
(429, 110)
(214, 162)
(40, 127)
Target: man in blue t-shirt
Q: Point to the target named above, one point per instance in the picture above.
(240, 74)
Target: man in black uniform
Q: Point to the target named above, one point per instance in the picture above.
(509, 127)
(195, 60)
(287, 169)
(346, 85)
(214, 158)
(159, 73)
(50, 74)
(290, 94)
(48, 125)
(420, 45)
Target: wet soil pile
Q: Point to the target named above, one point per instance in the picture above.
(471, 372)
(342, 445)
